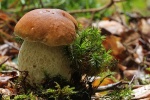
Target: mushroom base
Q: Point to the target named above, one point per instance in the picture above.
(40, 60)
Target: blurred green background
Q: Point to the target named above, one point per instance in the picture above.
(19, 7)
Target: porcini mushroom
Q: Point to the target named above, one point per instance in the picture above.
(45, 33)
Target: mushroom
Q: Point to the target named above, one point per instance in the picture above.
(45, 32)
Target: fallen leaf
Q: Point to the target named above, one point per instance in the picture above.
(84, 22)
(141, 93)
(130, 38)
(145, 27)
(4, 80)
(5, 76)
(5, 91)
(114, 43)
(105, 82)
(139, 55)
(121, 67)
(113, 27)
(3, 59)
(130, 73)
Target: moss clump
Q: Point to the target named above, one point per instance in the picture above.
(59, 93)
(121, 94)
(88, 54)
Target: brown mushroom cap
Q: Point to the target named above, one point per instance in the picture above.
(53, 27)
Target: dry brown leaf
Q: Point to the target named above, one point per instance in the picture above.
(130, 73)
(105, 82)
(141, 93)
(4, 80)
(3, 59)
(148, 98)
(121, 18)
(114, 43)
(148, 21)
(5, 91)
(121, 67)
(5, 76)
(112, 26)
(139, 55)
(145, 27)
(130, 38)
(8, 91)
(84, 22)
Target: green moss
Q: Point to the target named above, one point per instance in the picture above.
(25, 97)
(88, 54)
(121, 94)
(3, 67)
(59, 93)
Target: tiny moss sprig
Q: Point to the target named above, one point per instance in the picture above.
(88, 54)
(121, 94)
(25, 97)
(60, 93)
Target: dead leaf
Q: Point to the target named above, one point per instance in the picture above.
(84, 22)
(129, 38)
(121, 67)
(113, 27)
(120, 18)
(4, 80)
(145, 98)
(141, 93)
(3, 59)
(5, 91)
(114, 43)
(5, 76)
(105, 82)
(145, 27)
(130, 73)
(139, 55)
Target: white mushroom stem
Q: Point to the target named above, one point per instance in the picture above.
(39, 59)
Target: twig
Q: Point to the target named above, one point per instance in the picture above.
(26, 72)
(96, 9)
(103, 79)
(132, 79)
(41, 4)
(119, 0)
(93, 9)
(13, 5)
(91, 19)
(108, 87)
(137, 86)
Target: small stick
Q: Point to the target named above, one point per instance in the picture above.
(96, 9)
(41, 3)
(108, 87)
(137, 86)
(93, 9)
(132, 79)
(103, 79)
